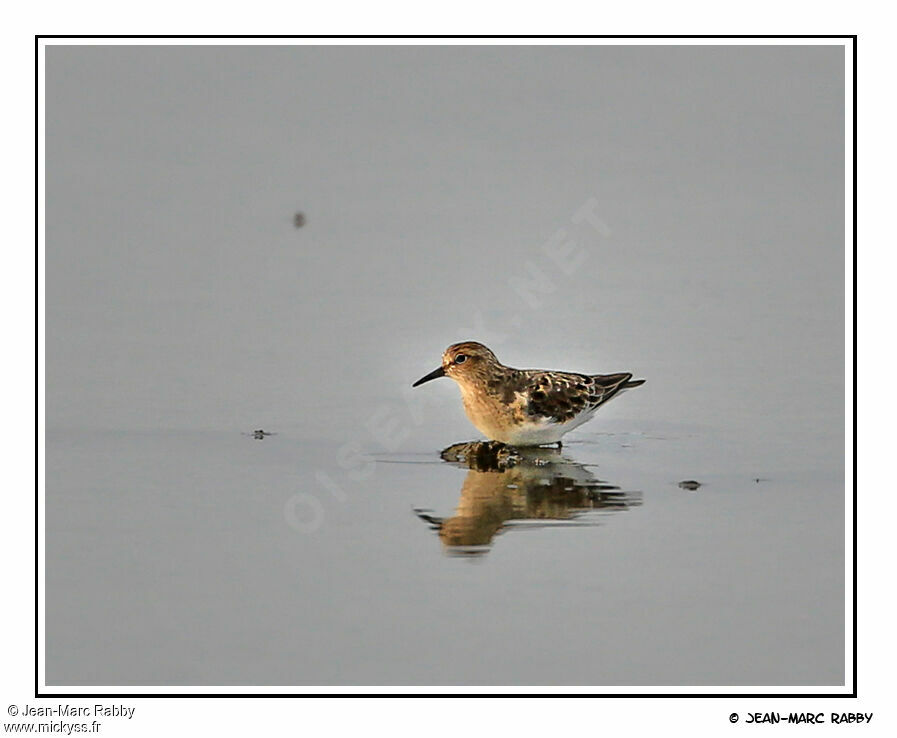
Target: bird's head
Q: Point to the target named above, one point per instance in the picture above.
(464, 362)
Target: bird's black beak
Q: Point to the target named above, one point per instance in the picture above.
(435, 374)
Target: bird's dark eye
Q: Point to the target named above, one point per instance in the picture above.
(460, 358)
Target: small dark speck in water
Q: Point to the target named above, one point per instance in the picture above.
(298, 220)
(689, 484)
(259, 435)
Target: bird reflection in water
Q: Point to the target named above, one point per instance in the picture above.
(508, 488)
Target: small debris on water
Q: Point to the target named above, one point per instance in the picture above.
(689, 484)
(298, 220)
(259, 435)
(482, 455)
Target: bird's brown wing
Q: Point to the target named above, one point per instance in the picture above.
(562, 396)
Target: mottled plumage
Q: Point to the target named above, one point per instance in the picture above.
(524, 407)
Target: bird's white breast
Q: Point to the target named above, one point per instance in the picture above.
(543, 430)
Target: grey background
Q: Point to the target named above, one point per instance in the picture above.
(184, 308)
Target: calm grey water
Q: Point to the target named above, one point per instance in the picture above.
(675, 212)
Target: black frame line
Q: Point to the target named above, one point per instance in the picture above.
(249, 695)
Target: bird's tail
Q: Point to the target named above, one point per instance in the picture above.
(633, 383)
